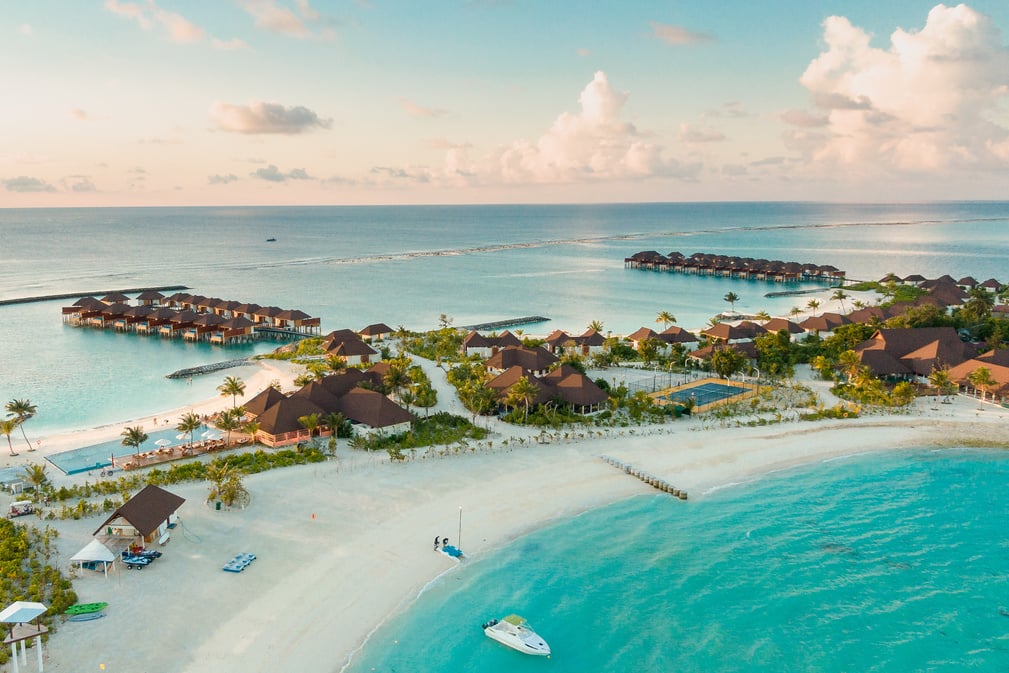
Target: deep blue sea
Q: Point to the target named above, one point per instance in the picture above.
(889, 562)
(353, 266)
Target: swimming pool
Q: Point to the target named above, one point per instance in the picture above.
(98, 456)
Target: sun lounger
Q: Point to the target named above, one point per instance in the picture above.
(239, 562)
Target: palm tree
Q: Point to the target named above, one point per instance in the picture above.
(840, 295)
(939, 378)
(522, 392)
(310, 422)
(36, 476)
(7, 427)
(189, 423)
(233, 386)
(134, 437)
(397, 376)
(22, 410)
(732, 298)
(666, 318)
(425, 397)
(849, 363)
(596, 326)
(982, 380)
(336, 422)
(763, 316)
(795, 311)
(251, 428)
(813, 304)
(226, 482)
(230, 420)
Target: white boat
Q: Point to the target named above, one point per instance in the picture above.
(515, 632)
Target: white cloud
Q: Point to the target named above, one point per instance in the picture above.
(415, 110)
(273, 174)
(277, 17)
(175, 26)
(591, 144)
(678, 35)
(78, 183)
(926, 104)
(24, 183)
(694, 134)
(260, 117)
(222, 179)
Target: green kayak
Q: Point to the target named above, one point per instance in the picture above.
(85, 608)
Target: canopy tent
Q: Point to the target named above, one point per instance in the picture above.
(94, 553)
(20, 614)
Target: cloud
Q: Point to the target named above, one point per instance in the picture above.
(259, 117)
(273, 174)
(78, 183)
(415, 110)
(222, 179)
(79, 114)
(927, 103)
(277, 17)
(23, 183)
(178, 27)
(678, 35)
(694, 135)
(583, 52)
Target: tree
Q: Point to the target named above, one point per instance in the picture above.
(762, 315)
(940, 380)
(396, 376)
(813, 304)
(849, 364)
(774, 354)
(189, 423)
(230, 420)
(666, 318)
(978, 307)
(233, 386)
(226, 483)
(794, 311)
(336, 423)
(22, 410)
(840, 295)
(251, 428)
(310, 422)
(649, 349)
(37, 477)
(596, 326)
(732, 298)
(982, 380)
(7, 427)
(727, 361)
(522, 392)
(425, 397)
(903, 394)
(134, 437)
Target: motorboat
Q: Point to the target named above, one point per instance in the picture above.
(515, 632)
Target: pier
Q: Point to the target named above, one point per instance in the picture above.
(514, 322)
(78, 295)
(653, 481)
(742, 268)
(208, 369)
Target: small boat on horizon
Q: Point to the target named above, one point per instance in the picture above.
(271, 240)
(515, 632)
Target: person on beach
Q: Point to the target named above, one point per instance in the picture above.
(437, 540)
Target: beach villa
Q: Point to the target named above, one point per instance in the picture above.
(141, 520)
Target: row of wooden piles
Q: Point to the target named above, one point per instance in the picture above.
(651, 480)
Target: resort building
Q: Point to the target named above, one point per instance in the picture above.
(142, 520)
(996, 361)
(913, 353)
(377, 332)
(536, 361)
(346, 345)
(746, 348)
(589, 343)
(725, 266)
(563, 385)
(484, 347)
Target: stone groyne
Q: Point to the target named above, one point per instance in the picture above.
(208, 369)
(654, 482)
(100, 293)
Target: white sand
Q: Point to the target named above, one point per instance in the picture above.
(344, 544)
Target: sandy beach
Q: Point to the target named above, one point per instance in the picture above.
(343, 545)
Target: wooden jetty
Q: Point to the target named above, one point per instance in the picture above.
(653, 481)
(725, 266)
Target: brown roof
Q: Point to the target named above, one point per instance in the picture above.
(919, 349)
(996, 356)
(147, 510)
(318, 395)
(343, 381)
(350, 348)
(574, 387)
(643, 334)
(677, 335)
(777, 324)
(503, 382)
(150, 295)
(533, 359)
(282, 417)
(377, 329)
(263, 401)
(372, 409)
(723, 331)
(747, 348)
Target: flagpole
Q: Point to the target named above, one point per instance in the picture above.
(459, 536)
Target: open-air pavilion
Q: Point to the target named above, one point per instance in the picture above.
(23, 620)
(93, 556)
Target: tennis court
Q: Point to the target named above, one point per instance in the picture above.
(706, 393)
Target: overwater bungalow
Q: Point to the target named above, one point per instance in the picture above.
(726, 266)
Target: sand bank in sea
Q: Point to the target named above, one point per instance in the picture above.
(344, 544)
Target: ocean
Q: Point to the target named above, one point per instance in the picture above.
(881, 562)
(353, 266)
(889, 562)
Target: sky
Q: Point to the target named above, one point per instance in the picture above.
(318, 102)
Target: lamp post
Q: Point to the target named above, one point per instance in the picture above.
(459, 536)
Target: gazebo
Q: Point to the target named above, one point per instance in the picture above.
(94, 553)
(20, 614)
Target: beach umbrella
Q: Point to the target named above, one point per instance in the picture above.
(163, 442)
(181, 436)
(211, 434)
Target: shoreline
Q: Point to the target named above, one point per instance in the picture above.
(344, 546)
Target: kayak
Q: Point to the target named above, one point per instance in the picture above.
(85, 608)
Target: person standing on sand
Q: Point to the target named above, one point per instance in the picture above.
(437, 541)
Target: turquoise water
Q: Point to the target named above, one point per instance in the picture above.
(888, 562)
(353, 266)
